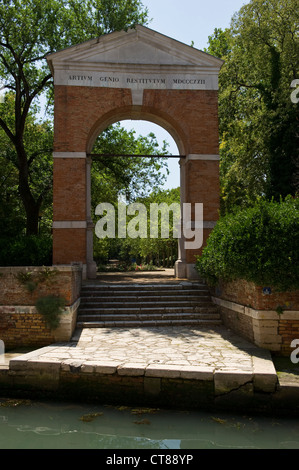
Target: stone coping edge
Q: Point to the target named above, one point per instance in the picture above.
(25, 309)
(263, 375)
(257, 314)
(58, 267)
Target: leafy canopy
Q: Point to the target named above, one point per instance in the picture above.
(29, 30)
(259, 138)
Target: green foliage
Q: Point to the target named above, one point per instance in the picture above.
(26, 251)
(130, 177)
(31, 280)
(133, 179)
(259, 137)
(31, 286)
(51, 307)
(123, 267)
(219, 43)
(46, 274)
(258, 244)
(26, 278)
(158, 251)
(279, 310)
(29, 31)
(38, 141)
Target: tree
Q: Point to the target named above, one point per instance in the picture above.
(258, 122)
(37, 139)
(162, 251)
(129, 177)
(29, 30)
(11, 214)
(158, 251)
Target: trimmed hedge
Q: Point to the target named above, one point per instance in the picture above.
(259, 244)
(26, 251)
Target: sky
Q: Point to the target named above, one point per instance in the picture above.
(185, 21)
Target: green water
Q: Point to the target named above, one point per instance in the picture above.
(48, 425)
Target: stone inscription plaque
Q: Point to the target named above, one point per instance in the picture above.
(137, 81)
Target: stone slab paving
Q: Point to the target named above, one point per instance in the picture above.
(206, 354)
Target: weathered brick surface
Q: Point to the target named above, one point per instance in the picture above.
(191, 255)
(69, 246)
(65, 283)
(239, 323)
(69, 189)
(270, 329)
(24, 329)
(289, 330)
(79, 111)
(20, 324)
(251, 295)
(192, 113)
(204, 187)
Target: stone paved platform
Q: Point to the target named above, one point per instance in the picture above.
(148, 365)
(216, 355)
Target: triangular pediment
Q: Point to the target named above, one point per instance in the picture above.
(140, 46)
(137, 52)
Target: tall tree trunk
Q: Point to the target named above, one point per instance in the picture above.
(32, 216)
(31, 206)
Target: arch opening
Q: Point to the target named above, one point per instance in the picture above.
(132, 114)
(150, 139)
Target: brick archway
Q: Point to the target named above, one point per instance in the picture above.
(139, 74)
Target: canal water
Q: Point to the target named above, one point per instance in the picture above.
(50, 425)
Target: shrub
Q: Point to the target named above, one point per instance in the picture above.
(31, 280)
(51, 307)
(26, 251)
(258, 244)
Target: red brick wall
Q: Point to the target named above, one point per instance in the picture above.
(289, 330)
(69, 189)
(69, 245)
(250, 295)
(79, 109)
(193, 113)
(23, 329)
(65, 283)
(191, 255)
(285, 326)
(20, 324)
(204, 186)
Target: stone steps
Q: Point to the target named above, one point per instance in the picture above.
(131, 302)
(147, 323)
(155, 304)
(142, 289)
(149, 316)
(92, 312)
